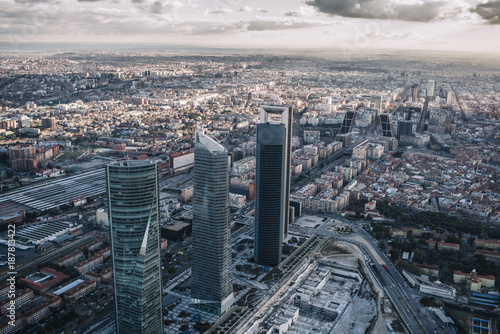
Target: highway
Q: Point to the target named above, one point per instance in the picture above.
(404, 95)
(412, 313)
(414, 316)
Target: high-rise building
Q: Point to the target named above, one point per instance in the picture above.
(377, 101)
(133, 213)
(386, 122)
(449, 97)
(414, 92)
(431, 85)
(406, 128)
(348, 122)
(211, 270)
(272, 199)
(49, 122)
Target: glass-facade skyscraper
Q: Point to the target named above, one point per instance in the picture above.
(133, 204)
(211, 269)
(272, 186)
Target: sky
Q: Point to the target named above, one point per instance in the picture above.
(352, 25)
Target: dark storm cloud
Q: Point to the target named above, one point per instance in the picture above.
(380, 9)
(490, 11)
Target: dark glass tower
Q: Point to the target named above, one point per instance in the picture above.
(135, 246)
(211, 270)
(272, 189)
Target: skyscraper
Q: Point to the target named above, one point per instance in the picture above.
(348, 122)
(431, 85)
(414, 92)
(377, 101)
(272, 190)
(133, 198)
(386, 122)
(406, 128)
(211, 270)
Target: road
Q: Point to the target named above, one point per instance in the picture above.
(404, 95)
(316, 171)
(415, 317)
(462, 112)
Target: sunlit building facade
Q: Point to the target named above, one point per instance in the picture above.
(211, 272)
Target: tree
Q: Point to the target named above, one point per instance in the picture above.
(395, 253)
(418, 256)
(422, 242)
(4, 158)
(412, 268)
(452, 239)
(184, 314)
(428, 301)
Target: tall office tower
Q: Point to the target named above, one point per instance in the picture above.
(386, 122)
(414, 92)
(272, 190)
(348, 122)
(49, 122)
(211, 271)
(377, 101)
(449, 97)
(133, 204)
(431, 85)
(406, 128)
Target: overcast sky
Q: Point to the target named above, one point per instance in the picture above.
(462, 25)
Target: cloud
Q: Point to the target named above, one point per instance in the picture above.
(302, 12)
(30, 1)
(220, 11)
(160, 18)
(264, 25)
(249, 9)
(258, 24)
(157, 6)
(489, 11)
(424, 11)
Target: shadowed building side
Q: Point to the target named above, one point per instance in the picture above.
(272, 188)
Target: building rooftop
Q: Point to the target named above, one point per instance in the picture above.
(208, 142)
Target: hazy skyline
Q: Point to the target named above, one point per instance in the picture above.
(354, 25)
